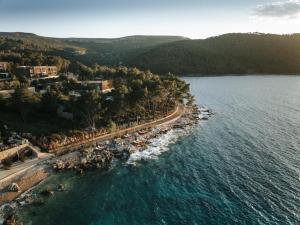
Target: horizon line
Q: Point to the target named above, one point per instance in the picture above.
(143, 35)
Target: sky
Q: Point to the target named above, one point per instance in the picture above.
(117, 18)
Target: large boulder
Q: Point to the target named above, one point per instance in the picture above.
(59, 165)
(83, 161)
(61, 187)
(47, 192)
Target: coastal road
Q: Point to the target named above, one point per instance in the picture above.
(165, 120)
(18, 168)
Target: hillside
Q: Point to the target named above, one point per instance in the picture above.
(106, 51)
(115, 51)
(38, 41)
(226, 54)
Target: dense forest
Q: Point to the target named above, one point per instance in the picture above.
(138, 96)
(88, 51)
(226, 54)
(251, 53)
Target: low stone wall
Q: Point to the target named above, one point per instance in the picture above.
(11, 151)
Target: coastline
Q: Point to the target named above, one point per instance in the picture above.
(68, 150)
(93, 158)
(177, 113)
(237, 75)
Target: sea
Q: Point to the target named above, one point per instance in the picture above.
(242, 166)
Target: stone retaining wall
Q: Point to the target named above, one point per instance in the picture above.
(11, 151)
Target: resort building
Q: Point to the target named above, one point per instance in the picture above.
(101, 85)
(37, 71)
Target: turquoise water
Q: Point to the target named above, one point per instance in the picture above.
(240, 167)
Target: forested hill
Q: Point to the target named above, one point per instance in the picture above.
(226, 54)
(116, 51)
(89, 51)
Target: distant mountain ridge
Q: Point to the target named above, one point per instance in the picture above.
(236, 53)
(161, 38)
(226, 54)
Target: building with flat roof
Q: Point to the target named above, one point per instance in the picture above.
(37, 71)
(101, 85)
(4, 76)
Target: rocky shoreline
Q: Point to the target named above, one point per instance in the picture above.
(99, 156)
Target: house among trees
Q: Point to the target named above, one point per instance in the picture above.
(3, 66)
(37, 71)
(4, 76)
(101, 85)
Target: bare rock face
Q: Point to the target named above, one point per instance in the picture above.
(30, 199)
(86, 160)
(59, 165)
(11, 220)
(14, 187)
(83, 161)
(97, 159)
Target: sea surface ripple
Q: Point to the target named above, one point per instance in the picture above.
(240, 167)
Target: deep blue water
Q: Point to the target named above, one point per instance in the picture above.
(240, 167)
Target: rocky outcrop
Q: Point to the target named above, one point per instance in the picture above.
(7, 216)
(30, 199)
(47, 192)
(11, 220)
(68, 161)
(61, 187)
(97, 159)
(89, 159)
(59, 165)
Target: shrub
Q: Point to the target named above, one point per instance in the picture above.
(6, 163)
(22, 157)
(112, 126)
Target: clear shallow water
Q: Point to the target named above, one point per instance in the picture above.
(240, 167)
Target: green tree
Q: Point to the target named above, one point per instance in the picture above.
(50, 100)
(24, 102)
(2, 102)
(89, 108)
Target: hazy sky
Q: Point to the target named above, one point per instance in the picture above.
(115, 18)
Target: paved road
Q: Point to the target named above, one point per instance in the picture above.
(173, 116)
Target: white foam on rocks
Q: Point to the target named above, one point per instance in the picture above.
(157, 146)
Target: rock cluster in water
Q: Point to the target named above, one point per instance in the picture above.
(88, 159)
(100, 156)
